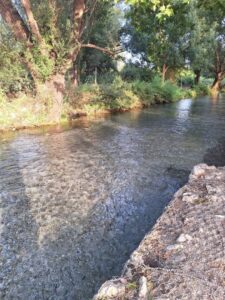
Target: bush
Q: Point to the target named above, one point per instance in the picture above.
(157, 92)
(185, 77)
(117, 96)
(144, 91)
(22, 111)
(121, 95)
(171, 92)
(201, 89)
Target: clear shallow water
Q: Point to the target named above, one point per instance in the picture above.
(75, 204)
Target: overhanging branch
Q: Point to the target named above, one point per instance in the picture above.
(107, 51)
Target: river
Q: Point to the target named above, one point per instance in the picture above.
(75, 203)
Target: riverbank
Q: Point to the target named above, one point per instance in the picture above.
(26, 111)
(183, 256)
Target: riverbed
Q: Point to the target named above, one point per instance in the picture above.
(74, 204)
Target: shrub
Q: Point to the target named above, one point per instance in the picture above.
(156, 91)
(121, 95)
(190, 93)
(171, 92)
(23, 111)
(201, 89)
(185, 77)
(144, 91)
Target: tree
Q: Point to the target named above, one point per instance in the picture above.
(213, 13)
(104, 32)
(52, 33)
(200, 40)
(163, 27)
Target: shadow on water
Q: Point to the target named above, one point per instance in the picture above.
(215, 156)
(18, 230)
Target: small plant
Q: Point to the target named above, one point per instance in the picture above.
(131, 285)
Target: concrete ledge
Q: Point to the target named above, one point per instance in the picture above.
(183, 257)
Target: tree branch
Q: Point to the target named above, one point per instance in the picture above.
(89, 20)
(78, 12)
(107, 51)
(31, 20)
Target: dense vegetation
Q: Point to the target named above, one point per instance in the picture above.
(64, 58)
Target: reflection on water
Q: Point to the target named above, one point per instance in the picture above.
(74, 204)
(183, 109)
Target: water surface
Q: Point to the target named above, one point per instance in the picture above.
(74, 204)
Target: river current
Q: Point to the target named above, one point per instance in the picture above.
(75, 203)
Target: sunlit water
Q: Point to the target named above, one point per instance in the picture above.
(75, 204)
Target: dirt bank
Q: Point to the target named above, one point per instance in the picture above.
(183, 257)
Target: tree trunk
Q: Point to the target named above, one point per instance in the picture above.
(171, 75)
(31, 20)
(11, 16)
(78, 12)
(216, 86)
(75, 77)
(217, 82)
(197, 76)
(164, 70)
(53, 91)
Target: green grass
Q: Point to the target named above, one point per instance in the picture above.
(23, 111)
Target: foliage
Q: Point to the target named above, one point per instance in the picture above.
(185, 78)
(157, 92)
(132, 72)
(201, 89)
(43, 65)
(164, 37)
(23, 111)
(105, 33)
(162, 9)
(13, 75)
(115, 96)
(121, 95)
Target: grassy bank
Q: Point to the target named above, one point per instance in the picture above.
(89, 99)
(122, 96)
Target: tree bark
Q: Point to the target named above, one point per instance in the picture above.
(53, 90)
(197, 76)
(104, 50)
(170, 75)
(31, 20)
(11, 16)
(75, 76)
(216, 86)
(78, 13)
(164, 70)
